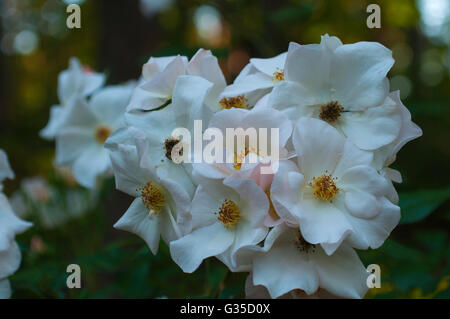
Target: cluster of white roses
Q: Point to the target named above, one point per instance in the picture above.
(10, 226)
(295, 229)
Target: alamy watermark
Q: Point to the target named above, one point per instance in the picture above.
(74, 279)
(374, 278)
(374, 19)
(238, 146)
(74, 19)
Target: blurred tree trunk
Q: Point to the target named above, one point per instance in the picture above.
(127, 39)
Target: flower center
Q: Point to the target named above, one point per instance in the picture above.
(324, 187)
(302, 245)
(169, 144)
(102, 133)
(278, 76)
(239, 102)
(152, 198)
(330, 111)
(229, 213)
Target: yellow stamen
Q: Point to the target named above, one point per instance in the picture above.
(229, 213)
(102, 133)
(153, 198)
(239, 159)
(278, 76)
(239, 102)
(324, 187)
(330, 112)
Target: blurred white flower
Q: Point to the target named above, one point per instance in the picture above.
(5, 169)
(10, 226)
(152, 7)
(79, 144)
(5, 289)
(77, 81)
(51, 206)
(36, 188)
(73, 1)
(207, 21)
(26, 42)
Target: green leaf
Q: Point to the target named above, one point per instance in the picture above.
(443, 294)
(216, 276)
(399, 251)
(434, 240)
(413, 276)
(229, 293)
(446, 215)
(419, 204)
(291, 13)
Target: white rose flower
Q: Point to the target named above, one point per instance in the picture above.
(52, 207)
(160, 76)
(5, 168)
(288, 262)
(241, 162)
(264, 181)
(79, 143)
(255, 81)
(226, 217)
(161, 205)
(37, 189)
(156, 128)
(10, 226)
(344, 85)
(332, 191)
(5, 289)
(386, 155)
(164, 70)
(261, 292)
(74, 82)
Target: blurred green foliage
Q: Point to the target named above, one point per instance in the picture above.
(415, 260)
